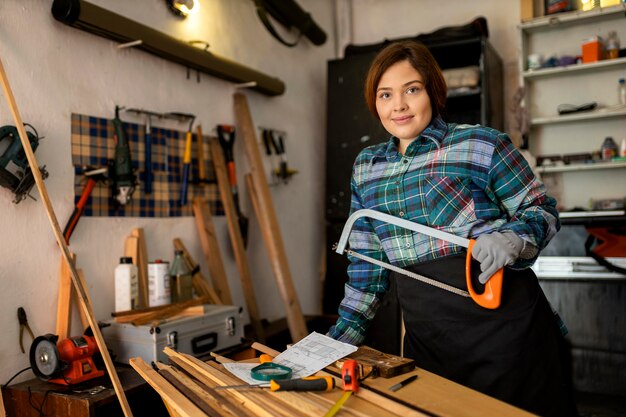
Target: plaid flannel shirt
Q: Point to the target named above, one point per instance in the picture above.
(465, 180)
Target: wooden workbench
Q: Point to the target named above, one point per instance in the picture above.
(28, 398)
(428, 396)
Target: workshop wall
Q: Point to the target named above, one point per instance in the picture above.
(55, 70)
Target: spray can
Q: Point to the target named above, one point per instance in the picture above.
(126, 285)
(158, 283)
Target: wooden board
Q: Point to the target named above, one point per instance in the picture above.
(211, 249)
(236, 238)
(379, 363)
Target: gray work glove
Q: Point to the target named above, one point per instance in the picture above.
(496, 250)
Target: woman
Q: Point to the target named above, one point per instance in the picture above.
(472, 182)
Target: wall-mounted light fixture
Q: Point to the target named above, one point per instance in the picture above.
(183, 8)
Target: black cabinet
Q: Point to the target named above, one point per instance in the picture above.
(350, 128)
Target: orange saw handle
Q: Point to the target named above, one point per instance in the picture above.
(492, 295)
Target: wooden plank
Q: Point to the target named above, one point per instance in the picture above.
(207, 375)
(157, 317)
(211, 249)
(236, 238)
(64, 301)
(187, 390)
(58, 234)
(268, 221)
(142, 266)
(203, 393)
(200, 284)
(174, 399)
(3, 412)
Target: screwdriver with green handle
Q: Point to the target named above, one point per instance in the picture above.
(310, 383)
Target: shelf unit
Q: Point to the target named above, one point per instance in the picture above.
(581, 167)
(545, 89)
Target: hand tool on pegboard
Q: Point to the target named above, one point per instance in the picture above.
(15, 172)
(226, 137)
(187, 154)
(122, 175)
(56, 229)
(148, 174)
(490, 298)
(273, 140)
(93, 176)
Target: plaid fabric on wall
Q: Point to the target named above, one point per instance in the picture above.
(93, 147)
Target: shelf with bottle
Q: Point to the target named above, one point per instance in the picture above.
(575, 68)
(562, 20)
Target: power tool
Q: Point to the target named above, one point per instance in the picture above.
(124, 179)
(67, 362)
(15, 173)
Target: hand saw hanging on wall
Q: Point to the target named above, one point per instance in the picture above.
(490, 298)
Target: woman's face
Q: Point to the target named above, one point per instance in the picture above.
(402, 102)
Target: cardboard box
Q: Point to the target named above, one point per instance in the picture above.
(531, 9)
(592, 49)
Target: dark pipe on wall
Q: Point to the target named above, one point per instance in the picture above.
(91, 18)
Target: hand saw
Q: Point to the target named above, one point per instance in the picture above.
(490, 298)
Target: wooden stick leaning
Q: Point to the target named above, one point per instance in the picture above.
(142, 266)
(211, 249)
(56, 229)
(64, 302)
(269, 223)
(236, 238)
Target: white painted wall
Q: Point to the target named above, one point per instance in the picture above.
(55, 70)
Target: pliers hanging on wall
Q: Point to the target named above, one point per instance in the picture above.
(21, 316)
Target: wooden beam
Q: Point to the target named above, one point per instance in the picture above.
(58, 234)
(268, 221)
(236, 238)
(64, 301)
(211, 249)
(173, 398)
(142, 266)
(200, 284)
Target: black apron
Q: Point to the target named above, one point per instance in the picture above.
(515, 353)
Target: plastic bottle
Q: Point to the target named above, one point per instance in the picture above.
(180, 279)
(621, 91)
(159, 283)
(126, 285)
(622, 148)
(612, 46)
(608, 149)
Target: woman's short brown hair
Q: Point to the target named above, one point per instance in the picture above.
(421, 59)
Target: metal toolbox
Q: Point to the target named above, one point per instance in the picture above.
(218, 328)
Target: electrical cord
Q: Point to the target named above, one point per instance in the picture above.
(15, 376)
